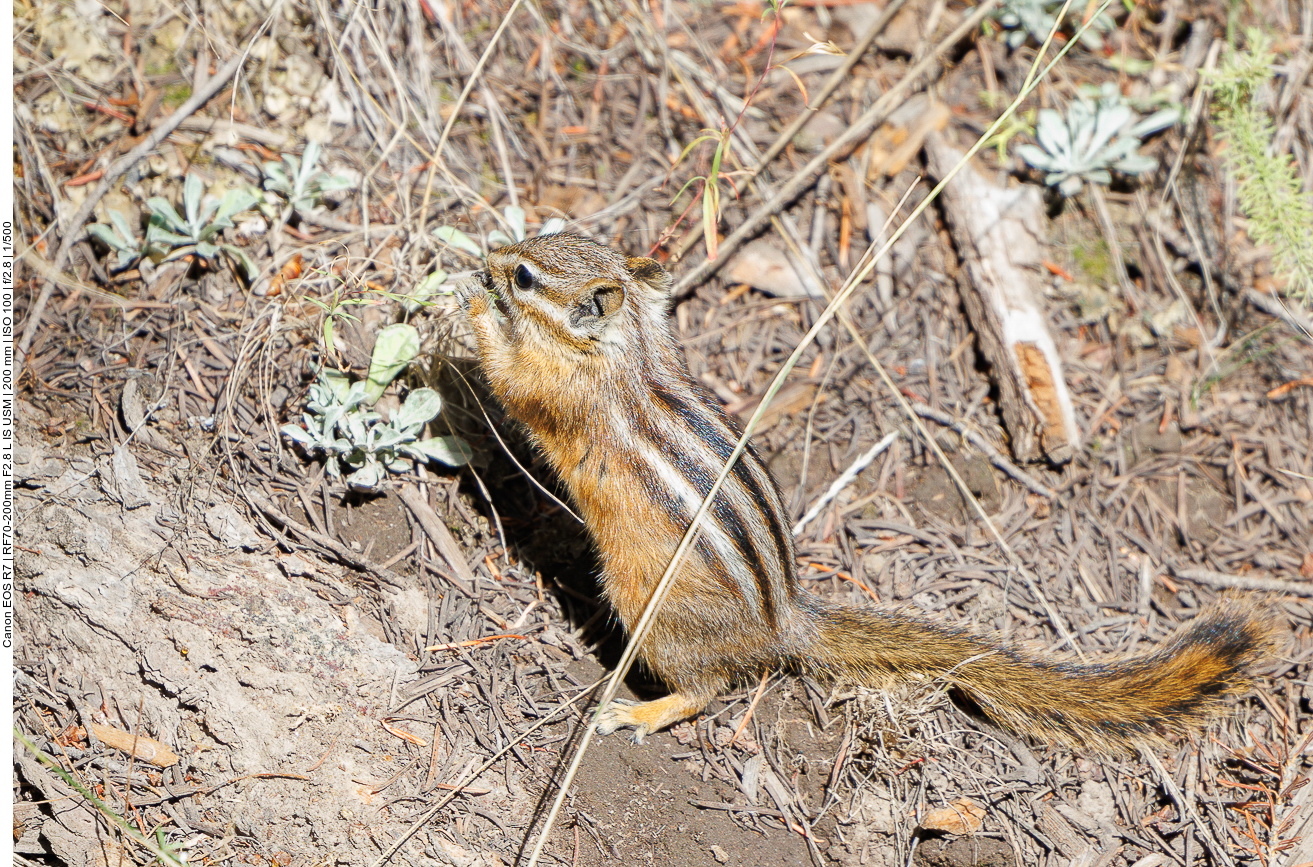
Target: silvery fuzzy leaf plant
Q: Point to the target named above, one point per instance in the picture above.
(300, 181)
(434, 285)
(1037, 18)
(171, 237)
(1098, 135)
(120, 239)
(355, 439)
(515, 221)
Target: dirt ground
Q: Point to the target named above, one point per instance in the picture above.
(244, 660)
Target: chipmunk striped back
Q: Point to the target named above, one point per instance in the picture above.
(575, 340)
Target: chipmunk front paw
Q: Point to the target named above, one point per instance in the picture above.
(467, 291)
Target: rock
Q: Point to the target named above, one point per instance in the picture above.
(228, 526)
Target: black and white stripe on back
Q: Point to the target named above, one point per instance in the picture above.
(685, 440)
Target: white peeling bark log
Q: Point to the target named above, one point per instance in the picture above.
(998, 233)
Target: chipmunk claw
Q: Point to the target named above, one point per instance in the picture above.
(618, 715)
(467, 290)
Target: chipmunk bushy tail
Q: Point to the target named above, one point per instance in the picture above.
(1105, 705)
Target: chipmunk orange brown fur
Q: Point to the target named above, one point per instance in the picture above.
(575, 340)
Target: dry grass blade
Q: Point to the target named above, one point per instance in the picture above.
(455, 111)
(165, 857)
(856, 132)
(838, 77)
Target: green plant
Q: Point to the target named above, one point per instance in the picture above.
(433, 285)
(176, 94)
(334, 310)
(300, 181)
(710, 186)
(1022, 123)
(171, 237)
(1095, 260)
(1100, 132)
(120, 239)
(1267, 185)
(710, 192)
(394, 349)
(1243, 352)
(1037, 18)
(358, 440)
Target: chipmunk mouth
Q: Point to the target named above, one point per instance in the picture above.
(498, 301)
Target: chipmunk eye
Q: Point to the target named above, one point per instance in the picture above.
(524, 278)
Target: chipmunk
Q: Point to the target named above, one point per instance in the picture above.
(575, 341)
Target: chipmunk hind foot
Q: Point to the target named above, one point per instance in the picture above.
(649, 716)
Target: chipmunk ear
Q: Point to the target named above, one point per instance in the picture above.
(650, 273)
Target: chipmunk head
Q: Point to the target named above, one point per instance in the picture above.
(566, 291)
